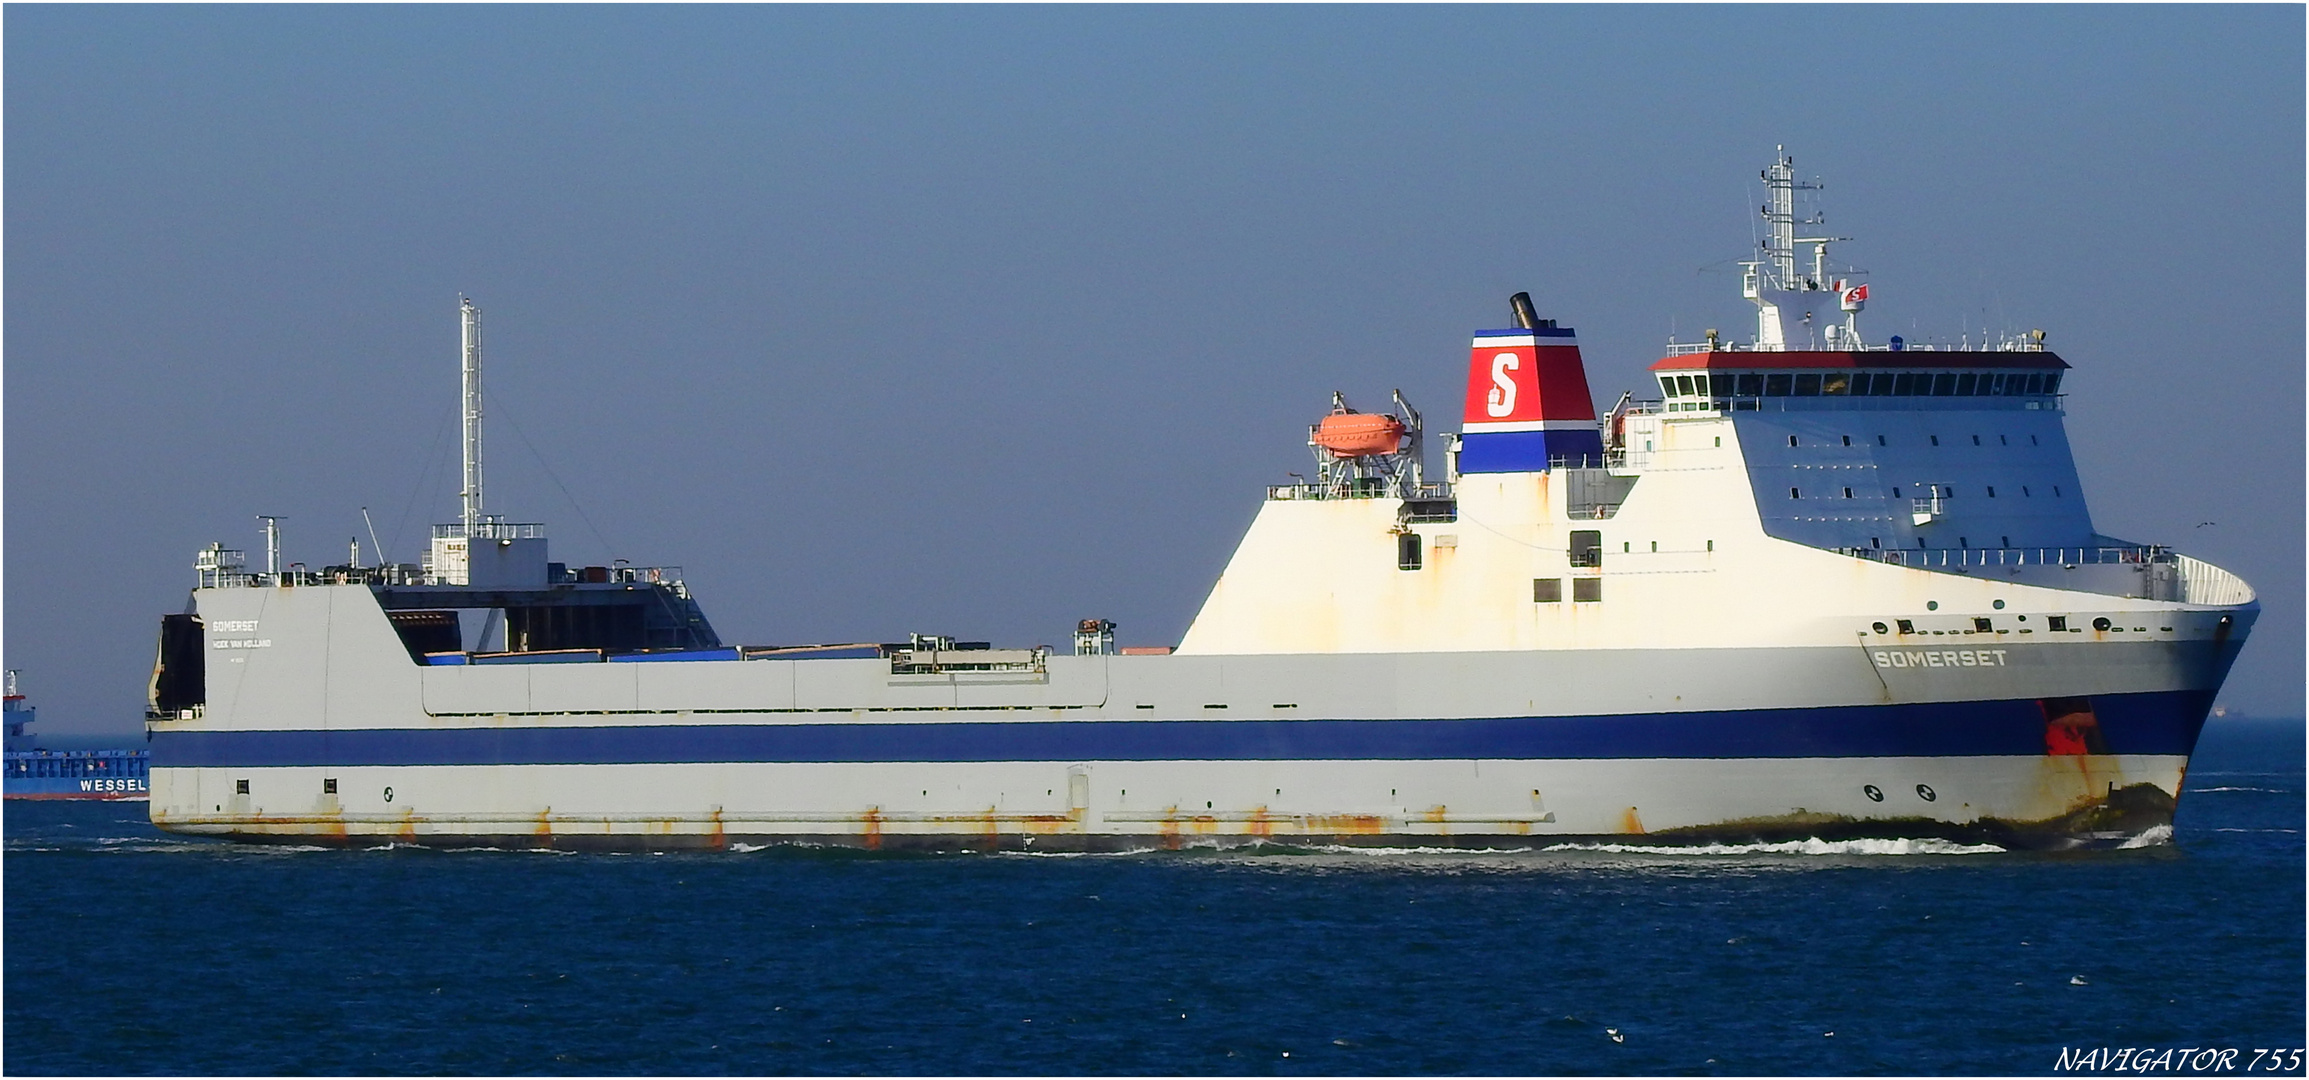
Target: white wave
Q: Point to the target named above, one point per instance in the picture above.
(2277, 791)
(1815, 846)
(2155, 836)
(1353, 849)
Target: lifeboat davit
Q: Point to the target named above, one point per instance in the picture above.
(1352, 435)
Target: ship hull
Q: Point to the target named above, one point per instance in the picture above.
(2015, 802)
(2006, 739)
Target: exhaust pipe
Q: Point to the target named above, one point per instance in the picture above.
(1525, 317)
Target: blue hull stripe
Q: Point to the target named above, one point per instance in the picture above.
(2158, 723)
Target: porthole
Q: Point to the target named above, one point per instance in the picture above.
(1874, 793)
(1997, 604)
(1925, 792)
(2100, 624)
(1934, 605)
(1880, 628)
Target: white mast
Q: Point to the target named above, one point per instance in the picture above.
(272, 544)
(471, 492)
(1788, 302)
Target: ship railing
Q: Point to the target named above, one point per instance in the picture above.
(925, 660)
(1360, 488)
(490, 530)
(1963, 558)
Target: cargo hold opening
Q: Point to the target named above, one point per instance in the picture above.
(180, 669)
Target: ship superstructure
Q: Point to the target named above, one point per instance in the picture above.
(1818, 587)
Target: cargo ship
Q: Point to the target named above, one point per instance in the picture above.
(1820, 585)
(30, 771)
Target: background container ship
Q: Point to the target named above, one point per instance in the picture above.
(1819, 587)
(31, 771)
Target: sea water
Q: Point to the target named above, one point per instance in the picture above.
(132, 951)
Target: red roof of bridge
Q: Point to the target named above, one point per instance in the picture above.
(1908, 360)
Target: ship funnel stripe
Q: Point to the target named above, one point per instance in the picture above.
(2148, 723)
(1547, 335)
(1530, 425)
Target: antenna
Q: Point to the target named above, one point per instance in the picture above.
(373, 544)
(471, 490)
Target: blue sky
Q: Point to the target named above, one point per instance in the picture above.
(984, 320)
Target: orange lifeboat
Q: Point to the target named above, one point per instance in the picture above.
(1352, 435)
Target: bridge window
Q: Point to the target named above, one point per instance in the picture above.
(1944, 384)
(1776, 385)
(1836, 382)
(1748, 385)
(1808, 385)
(1683, 386)
(2052, 383)
(1700, 384)
(1668, 385)
(1964, 383)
